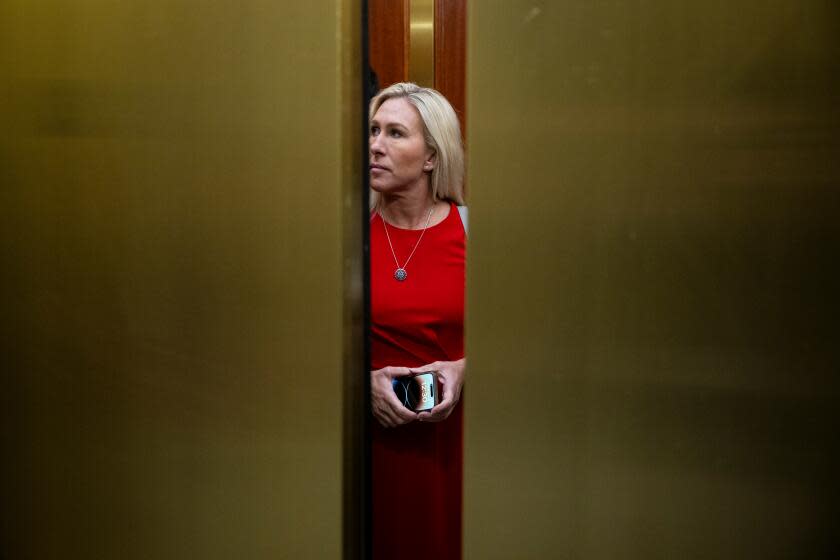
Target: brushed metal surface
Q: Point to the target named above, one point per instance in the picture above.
(179, 184)
(421, 41)
(652, 289)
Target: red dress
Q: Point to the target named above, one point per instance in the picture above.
(417, 468)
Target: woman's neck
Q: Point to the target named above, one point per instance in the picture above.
(406, 211)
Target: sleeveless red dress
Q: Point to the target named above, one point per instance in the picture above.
(417, 468)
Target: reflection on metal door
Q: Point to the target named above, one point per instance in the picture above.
(652, 285)
(180, 195)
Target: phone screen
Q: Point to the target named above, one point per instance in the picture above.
(417, 392)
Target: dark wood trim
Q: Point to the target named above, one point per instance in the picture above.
(388, 25)
(450, 53)
(451, 57)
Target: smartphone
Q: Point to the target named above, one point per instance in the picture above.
(417, 392)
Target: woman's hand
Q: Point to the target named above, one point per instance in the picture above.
(387, 408)
(451, 377)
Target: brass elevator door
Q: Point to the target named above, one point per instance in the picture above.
(652, 280)
(181, 185)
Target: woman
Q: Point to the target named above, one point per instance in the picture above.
(417, 313)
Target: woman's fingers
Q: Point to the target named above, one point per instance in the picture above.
(391, 418)
(387, 408)
(434, 366)
(394, 371)
(383, 399)
(390, 412)
(402, 414)
(444, 408)
(387, 418)
(438, 414)
(384, 413)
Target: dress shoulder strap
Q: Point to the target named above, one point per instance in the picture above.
(462, 211)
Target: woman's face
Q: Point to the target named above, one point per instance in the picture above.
(399, 157)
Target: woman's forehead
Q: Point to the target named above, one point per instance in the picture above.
(397, 111)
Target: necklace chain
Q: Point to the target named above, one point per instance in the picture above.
(400, 273)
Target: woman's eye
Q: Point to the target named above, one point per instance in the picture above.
(374, 130)
(396, 133)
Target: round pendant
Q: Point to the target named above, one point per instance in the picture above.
(400, 274)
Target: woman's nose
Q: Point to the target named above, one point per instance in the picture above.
(375, 144)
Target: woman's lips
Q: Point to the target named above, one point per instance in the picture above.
(374, 168)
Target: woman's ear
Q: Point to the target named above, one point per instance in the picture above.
(429, 164)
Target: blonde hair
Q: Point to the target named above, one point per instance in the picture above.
(442, 133)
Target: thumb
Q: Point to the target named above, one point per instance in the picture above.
(424, 369)
(395, 371)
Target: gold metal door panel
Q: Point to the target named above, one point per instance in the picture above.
(652, 287)
(178, 181)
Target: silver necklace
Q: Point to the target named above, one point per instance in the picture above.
(400, 273)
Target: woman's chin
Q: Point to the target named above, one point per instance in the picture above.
(379, 187)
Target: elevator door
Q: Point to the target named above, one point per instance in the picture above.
(652, 280)
(180, 276)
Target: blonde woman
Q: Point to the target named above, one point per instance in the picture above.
(417, 254)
